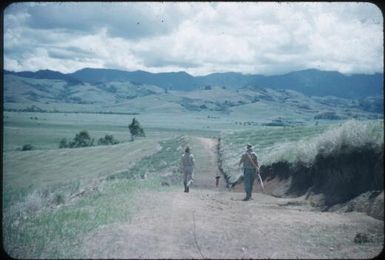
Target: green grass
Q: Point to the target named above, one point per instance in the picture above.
(48, 167)
(167, 157)
(58, 232)
(42, 221)
(40, 218)
(349, 136)
(44, 168)
(47, 131)
(264, 138)
(49, 128)
(298, 144)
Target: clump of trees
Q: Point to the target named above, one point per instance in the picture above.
(107, 140)
(83, 139)
(330, 115)
(136, 129)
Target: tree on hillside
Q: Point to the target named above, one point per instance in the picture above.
(135, 129)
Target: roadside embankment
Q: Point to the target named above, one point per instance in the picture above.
(351, 180)
(339, 169)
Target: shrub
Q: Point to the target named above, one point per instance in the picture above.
(63, 143)
(330, 115)
(82, 139)
(27, 147)
(107, 140)
(58, 199)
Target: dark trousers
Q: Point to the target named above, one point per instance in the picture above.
(248, 178)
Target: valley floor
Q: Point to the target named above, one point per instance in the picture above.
(212, 222)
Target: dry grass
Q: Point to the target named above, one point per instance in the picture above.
(300, 144)
(349, 136)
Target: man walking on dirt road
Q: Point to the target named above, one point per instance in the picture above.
(187, 165)
(250, 167)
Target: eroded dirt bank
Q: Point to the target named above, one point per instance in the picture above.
(332, 182)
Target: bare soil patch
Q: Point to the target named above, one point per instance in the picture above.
(216, 223)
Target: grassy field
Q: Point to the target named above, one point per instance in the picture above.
(45, 130)
(53, 197)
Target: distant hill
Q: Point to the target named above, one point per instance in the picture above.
(230, 80)
(18, 89)
(310, 82)
(275, 105)
(324, 83)
(171, 80)
(46, 74)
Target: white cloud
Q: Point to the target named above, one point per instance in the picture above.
(201, 38)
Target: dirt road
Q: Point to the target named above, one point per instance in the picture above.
(215, 223)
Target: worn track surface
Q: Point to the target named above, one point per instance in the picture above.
(212, 222)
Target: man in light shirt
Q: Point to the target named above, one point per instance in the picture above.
(187, 165)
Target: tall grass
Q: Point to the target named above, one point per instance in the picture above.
(57, 231)
(347, 137)
(263, 139)
(300, 144)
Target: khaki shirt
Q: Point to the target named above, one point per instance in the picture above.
(187, 160)
(246, 161)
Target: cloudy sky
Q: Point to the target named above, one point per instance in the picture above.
(199, 38)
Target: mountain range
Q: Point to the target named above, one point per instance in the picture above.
(308, 94)
(310, 82)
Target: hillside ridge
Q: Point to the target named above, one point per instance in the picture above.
(311, 82)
